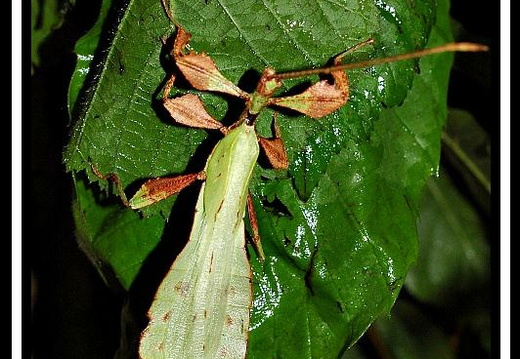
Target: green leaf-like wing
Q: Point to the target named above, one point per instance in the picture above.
(338, 228)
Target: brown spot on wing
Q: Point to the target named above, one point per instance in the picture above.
(166, 316)
(224, 352)
(229, 320)
(244, 327)
(211, 263)
(231, 291)
(220, 205)
(182, 288)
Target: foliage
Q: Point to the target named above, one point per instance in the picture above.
(339, 227)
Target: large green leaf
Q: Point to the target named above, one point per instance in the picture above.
(409, 334)
(338, 228)
(85, 49)
(454, 255)
(46, 16)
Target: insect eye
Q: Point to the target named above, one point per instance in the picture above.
(251, 118)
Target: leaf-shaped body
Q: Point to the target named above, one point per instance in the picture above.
(201, 309)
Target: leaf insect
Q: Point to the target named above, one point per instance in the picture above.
(201, 308)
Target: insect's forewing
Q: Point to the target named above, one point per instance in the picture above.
(201, 309)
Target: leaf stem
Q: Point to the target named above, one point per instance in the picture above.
(467, 161)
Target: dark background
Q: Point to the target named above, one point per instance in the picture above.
(68, 311)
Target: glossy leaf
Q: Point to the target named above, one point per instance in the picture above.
(408, 333)
(454, 254)
(85, 49)
(338, 227)
(46, 16)
(468, 148)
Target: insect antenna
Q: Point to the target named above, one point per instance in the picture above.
(450, 47)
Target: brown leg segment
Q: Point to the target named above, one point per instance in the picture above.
(167, 88)
(254, 227)
(112, 177)
(274, 149)
(153, 190)
(157, 189)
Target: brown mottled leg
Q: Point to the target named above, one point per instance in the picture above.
(254, 227)
(112, 177)
(274, 149)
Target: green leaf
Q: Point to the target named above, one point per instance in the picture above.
(409, 334)
(454, 254)
(467, 148)
(112, 238)
(85, 50)
(338, 228)
(46, 16)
